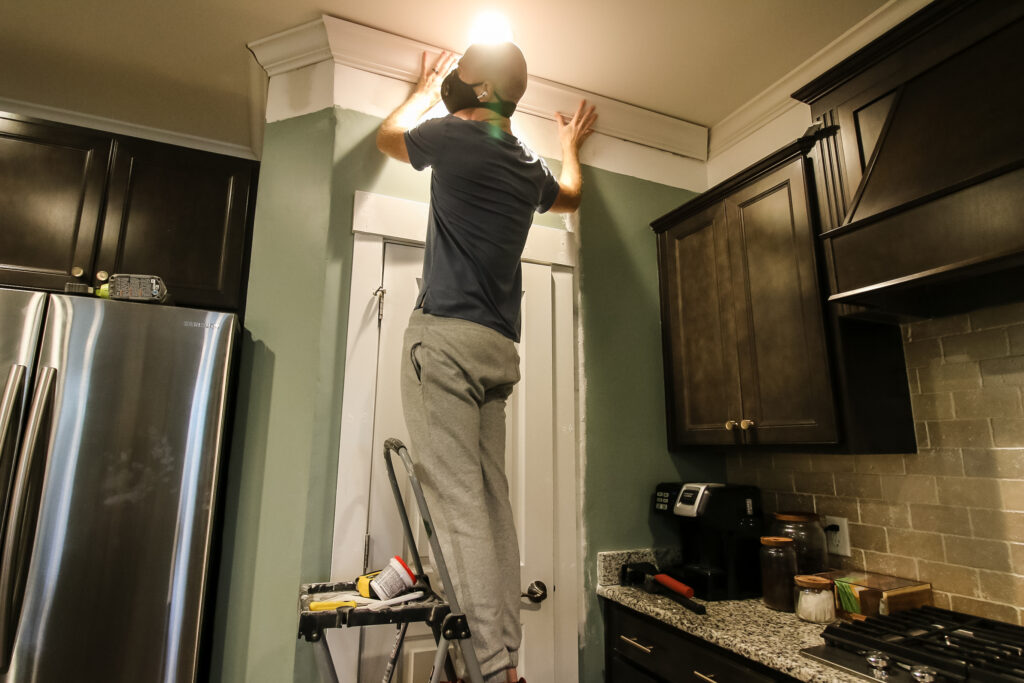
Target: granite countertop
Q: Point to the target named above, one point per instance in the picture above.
(745, 627)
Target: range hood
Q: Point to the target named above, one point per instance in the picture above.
(927, 164)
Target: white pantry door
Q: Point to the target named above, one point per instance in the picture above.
(530, 467)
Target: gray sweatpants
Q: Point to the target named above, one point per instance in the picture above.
(456, 377)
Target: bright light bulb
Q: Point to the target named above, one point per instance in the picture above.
(490, 28)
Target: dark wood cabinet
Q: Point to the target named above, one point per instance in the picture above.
(181, 214)
(745, 348)
(753, 355)
(699, 330)
(639, 649)
(77, 206)
(919, 169)
(52, 188)
(783, 359)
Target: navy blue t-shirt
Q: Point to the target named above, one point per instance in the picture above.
(485, 188)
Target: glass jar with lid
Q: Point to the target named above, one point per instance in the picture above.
(778, 566)
(814, 600)
(808, 538)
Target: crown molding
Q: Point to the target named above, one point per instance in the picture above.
(775, 100)
(74, 118)
(393, 56)
(292, 49)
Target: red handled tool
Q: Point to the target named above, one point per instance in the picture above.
(645, 575)
(673, 585)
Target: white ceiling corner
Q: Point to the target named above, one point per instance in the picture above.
(386, 54)
(775, 100)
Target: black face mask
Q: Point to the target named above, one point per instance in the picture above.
(458, 95)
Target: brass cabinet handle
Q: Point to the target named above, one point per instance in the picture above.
(77, 271)
(102, 276)
(731, 425)
(645, 648)
(704, 677)
(747, 424)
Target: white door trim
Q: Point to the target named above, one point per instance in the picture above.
(378, 219)
(403, 220)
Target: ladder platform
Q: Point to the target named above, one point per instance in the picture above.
(431, 609)
(444, 617)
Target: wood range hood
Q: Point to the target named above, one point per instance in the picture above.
(921, 163)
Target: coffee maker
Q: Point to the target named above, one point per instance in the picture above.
(720, 528)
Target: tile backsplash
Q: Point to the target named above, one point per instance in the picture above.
(953, 513)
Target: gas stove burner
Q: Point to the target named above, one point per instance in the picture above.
(925, 645)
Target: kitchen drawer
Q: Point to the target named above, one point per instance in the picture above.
(622, 671)
(673, 655)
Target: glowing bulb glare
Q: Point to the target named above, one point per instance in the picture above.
(490, 28)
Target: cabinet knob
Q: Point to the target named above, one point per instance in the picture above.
(102, 276)
(76, 271)
(747, 424)
(731, 425)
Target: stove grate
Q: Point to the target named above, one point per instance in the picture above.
(958, 646)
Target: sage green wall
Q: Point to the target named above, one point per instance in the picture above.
(282, 474)
(626, 438)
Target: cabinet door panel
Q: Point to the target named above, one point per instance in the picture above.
(861, 121)
(181, 214)
(702, 379)
(51, 188)
(621, 671)
(783, 357)
(671, 655)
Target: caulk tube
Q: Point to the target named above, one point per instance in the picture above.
(396, 578)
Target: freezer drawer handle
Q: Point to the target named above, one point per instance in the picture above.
(22, 515)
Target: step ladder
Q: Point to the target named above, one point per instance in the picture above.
(444, 617)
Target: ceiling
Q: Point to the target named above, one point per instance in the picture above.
(183, 66)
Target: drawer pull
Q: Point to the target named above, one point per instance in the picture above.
(645, 648)
(704, 677)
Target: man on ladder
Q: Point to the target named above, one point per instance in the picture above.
(460, 361)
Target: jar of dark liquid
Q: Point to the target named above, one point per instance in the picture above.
(778, 566)
(808, 539)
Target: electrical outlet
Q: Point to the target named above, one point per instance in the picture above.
(838, 541)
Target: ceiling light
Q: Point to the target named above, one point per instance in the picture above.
(490, 27)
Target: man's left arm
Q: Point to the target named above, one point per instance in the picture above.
(572, 134)
(391, 134)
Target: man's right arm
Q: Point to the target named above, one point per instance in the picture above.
(391, 134)
(572, 135)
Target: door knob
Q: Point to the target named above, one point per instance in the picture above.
(731, 425)
(102, 276)
(76, 271)
(536, 591)
(747, 424)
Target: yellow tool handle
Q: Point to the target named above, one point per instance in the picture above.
(325, 605)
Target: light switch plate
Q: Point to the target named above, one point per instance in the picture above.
(838, 542)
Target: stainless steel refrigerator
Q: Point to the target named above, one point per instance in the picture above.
(111, 424)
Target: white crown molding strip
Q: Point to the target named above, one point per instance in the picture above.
(292, 49)
(74, 118)
(775, 100)
(406, 221)
(396, 57)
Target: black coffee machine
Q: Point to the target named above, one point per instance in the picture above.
(721, 527)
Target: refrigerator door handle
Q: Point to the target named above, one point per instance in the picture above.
(23, 512)
(11, 407)
(10, 418)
